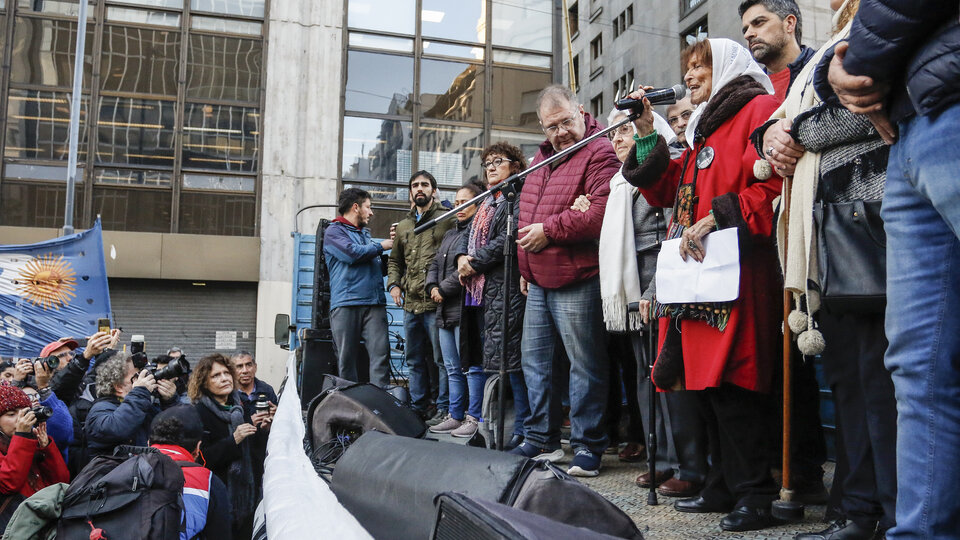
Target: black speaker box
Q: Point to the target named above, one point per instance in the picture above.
(357, 408)
(317, 360)
(389, 484)
(460, 517)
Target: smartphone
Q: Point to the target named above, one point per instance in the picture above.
(103, 325)
(137, 344)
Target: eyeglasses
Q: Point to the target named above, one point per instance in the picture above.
(566, 125)
(674, 120)
(625, 131)
(496, 162)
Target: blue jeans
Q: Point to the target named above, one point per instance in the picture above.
(461, 385)
(573, 315)
(421, 336)
(921, 212)
(521, 406)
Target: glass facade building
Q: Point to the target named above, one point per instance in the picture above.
(169, 121)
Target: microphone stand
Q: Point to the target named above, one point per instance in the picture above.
(651, 359)
(509, 188)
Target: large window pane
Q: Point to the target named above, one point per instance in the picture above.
(59, 7)
(528, 143)
(221, 137)
(372, 148)
(34, 205)
(511, 57)
(38, 125)
(31, 171)
(136, 132)
(524, 24)
(213, 213)
(221, 67)
(373, 41)
(250, 8)
(451, 90)
(448, 49)
(379, 83)
(385, 15)
(143, 210)
(450, 153)
(515, 96)
(140, 60)
(43, 52)
(124, 177)
(463, 21)
(384, 193)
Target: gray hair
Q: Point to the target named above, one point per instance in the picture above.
(245, 353)
(556, 94)
(111, 372)
(780, 8)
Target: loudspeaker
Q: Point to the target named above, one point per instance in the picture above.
(389, 484)
(317, 360)
(459, 517)
(321, 285)
(356, 408)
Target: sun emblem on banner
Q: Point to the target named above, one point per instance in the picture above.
(47, 281)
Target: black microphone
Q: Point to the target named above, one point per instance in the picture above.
(657, 96)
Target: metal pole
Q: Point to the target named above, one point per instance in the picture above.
(509, 247)
(75, 117)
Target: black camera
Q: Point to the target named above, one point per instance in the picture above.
(173, 370)
(42, 412)
(140, 361)
(52, 362)
(262, 404)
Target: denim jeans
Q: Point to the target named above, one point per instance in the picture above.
(921, 212)
(466, 391)
(573, 315)
(421, 336)
(521, 406)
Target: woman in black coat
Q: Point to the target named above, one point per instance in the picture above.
(233, 446)
(443, 284)
(480, 263)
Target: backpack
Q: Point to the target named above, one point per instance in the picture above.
(124, 496)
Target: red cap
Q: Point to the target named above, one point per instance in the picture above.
(52, 346)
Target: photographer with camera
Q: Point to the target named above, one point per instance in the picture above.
(124, 406)
(49, 408)
(259, 399)
(29, 458)
(174, 368)
(69, 368)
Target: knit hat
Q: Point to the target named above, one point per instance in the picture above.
(11, 398)
(191, 427)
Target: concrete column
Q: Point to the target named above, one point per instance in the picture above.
(301, 128)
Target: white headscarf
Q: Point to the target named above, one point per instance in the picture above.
(730, 60)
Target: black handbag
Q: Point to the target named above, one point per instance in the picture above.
(851, 256)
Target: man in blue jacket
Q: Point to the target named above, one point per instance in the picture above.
(900, 65)
(358, 306)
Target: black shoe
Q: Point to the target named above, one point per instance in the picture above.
(840, 529)
(745, 518)
(428, 413)
(699, 505)
(513, 443)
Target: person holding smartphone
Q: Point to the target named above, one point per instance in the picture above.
(29, 458)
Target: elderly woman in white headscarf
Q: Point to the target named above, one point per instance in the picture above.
(726, 351)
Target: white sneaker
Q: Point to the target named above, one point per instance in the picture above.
(446, 426)
(467, 428)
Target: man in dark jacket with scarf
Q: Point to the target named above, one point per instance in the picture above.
(358, 307)
(406, 280)
(559, 265)
(900, 66)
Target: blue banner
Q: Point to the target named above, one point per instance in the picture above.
(50, 290)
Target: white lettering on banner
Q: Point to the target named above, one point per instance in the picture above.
(226, 340)
(11, 326)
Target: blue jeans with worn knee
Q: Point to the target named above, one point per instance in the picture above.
(466, 390)
(571, 314)
(921, 212)
(421, 335)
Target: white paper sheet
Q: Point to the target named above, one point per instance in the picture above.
(716, 279)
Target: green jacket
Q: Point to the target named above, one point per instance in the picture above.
(36, 518)
(411, 256)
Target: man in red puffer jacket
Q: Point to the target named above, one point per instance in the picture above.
(559, 268)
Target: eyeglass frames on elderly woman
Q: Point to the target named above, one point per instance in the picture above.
(496, 162)
(625, 131)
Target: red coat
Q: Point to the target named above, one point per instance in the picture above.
(745, 352)
(547, 195)
(21, 472)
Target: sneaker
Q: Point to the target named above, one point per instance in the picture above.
(585, 464)
(533, 451)
(449, 424)
(438, 418)
(467, 428)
